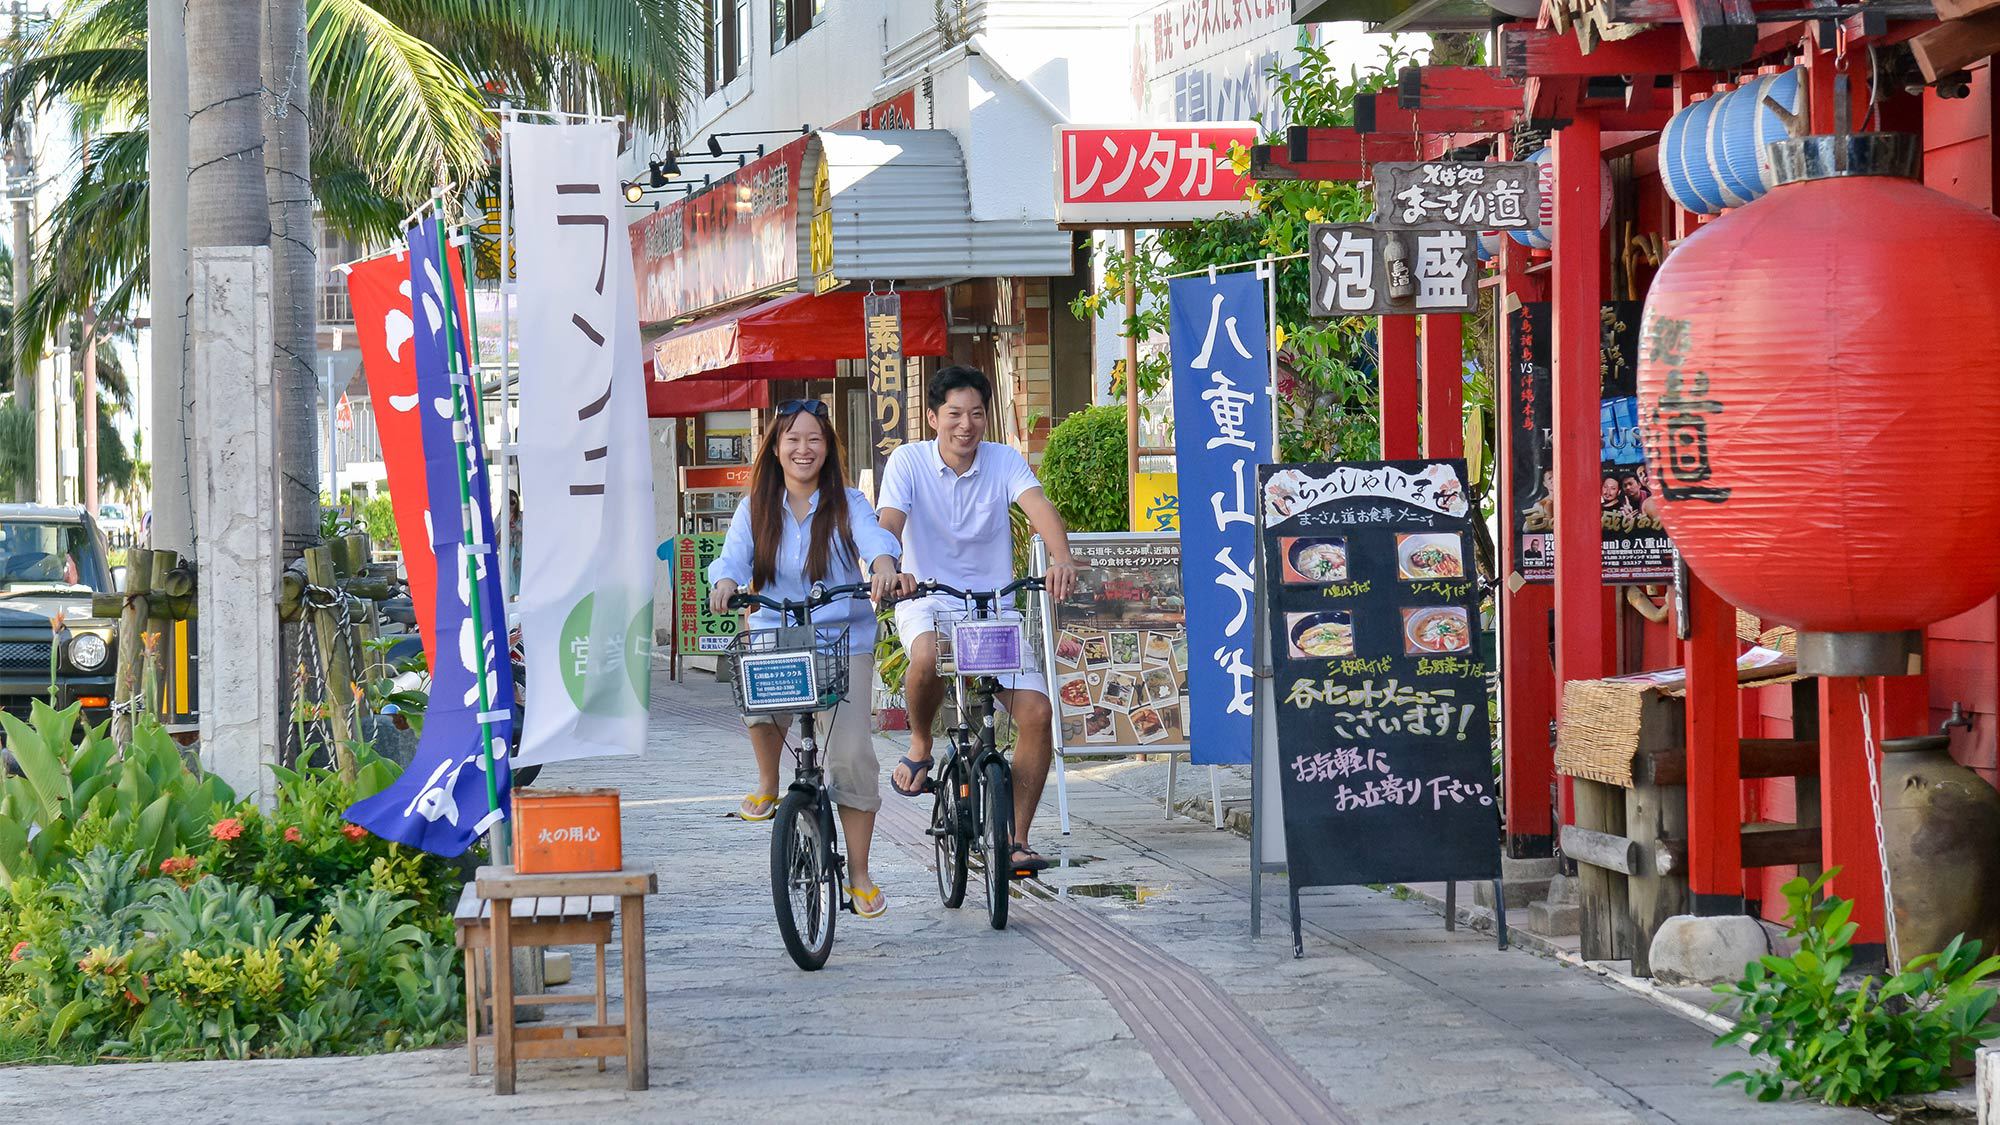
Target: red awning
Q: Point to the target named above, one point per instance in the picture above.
(795, 337)
(689, 397)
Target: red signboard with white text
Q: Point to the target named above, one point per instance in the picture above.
(1109, 174)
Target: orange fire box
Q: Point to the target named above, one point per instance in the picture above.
(564, 830)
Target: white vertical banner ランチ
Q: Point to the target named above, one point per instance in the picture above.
(586, 473)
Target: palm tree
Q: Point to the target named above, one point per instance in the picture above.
(392, 102)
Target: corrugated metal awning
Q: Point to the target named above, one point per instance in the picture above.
(893, 205)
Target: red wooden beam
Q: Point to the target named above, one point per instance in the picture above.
(1444, 386)
(1328, 154)
(1546, 53)
(1714, 772)
(1456, 87)
(1847, 824)
(1583, 642)
(1397, 370)
(1380, 113)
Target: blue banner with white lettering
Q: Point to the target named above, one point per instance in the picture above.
(440, 803)
(1222, 432)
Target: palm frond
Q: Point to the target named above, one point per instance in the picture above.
(91, 52)
(420, 114)
(637, 57)
(95, 242)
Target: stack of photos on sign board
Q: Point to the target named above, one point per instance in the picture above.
(1121, 653)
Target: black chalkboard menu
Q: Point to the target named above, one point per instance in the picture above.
(1384, 751)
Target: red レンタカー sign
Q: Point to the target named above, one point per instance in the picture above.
(1133, 174)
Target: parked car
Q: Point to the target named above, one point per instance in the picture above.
(52, 560)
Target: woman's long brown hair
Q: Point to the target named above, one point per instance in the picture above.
(767, 506)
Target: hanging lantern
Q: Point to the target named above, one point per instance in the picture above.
(1543, 237)
(1821, 403)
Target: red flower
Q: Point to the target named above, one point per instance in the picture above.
(353, 831)
(294, 836)
(20, 951)
(227, 829)
(177, 865)
(132, 998)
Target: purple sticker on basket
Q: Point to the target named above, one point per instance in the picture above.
(986, 648)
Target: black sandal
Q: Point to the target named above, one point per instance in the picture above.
(920, 773)
(1033, 863)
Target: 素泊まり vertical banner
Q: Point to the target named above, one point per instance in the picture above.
(1222, 428)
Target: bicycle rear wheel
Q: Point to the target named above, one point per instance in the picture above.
(804, 879)
(997, 841)
(949, 839)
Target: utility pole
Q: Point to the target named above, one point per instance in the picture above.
(21, 191)
(168, 420)
(87, 484)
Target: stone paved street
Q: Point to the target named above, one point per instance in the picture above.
(1136, 996)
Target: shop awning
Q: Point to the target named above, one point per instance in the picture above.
(795, 337)
(688, 397)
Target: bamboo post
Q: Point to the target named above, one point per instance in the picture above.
(131, 620)
(334, 663)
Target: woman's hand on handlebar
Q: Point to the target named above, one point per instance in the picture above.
(883, 581)
(719, 595)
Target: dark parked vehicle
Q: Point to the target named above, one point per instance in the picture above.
(51, 561)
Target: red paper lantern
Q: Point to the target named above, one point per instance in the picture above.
(1819, 390)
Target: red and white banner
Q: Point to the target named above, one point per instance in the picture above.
(380, 291)
(1142, 174)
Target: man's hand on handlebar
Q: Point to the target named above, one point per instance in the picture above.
(719, 595)
(906, 584)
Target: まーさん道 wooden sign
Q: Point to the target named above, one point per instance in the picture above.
(1383, 749)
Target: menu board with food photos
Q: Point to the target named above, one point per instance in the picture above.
(1118, 647)
(1384, 752)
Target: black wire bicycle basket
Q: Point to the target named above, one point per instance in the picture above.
(789, 670)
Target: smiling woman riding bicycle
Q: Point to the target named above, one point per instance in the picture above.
(801, 524)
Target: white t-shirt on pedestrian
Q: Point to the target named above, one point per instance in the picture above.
(958, 531)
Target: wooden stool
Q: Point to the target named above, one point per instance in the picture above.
(502, 911)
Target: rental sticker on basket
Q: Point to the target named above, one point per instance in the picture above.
(778, 681)
(986, 648)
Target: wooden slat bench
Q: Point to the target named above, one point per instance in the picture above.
(537, 911)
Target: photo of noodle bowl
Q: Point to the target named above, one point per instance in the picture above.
(1313, 561)
(1320, 635)
(1425, 556)
(1436, 628)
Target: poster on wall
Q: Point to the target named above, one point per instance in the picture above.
(697, 628)
(1384, 753)
(1636, 547)
(1118, 645)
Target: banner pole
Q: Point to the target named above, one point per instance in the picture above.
(461, 395)
(507, 544)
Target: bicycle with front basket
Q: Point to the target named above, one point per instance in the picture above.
(796, 670)
(974, 803)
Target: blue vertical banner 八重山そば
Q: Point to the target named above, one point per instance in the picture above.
(440, 803)
(1222, 432)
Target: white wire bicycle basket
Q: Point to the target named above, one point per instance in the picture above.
(1009, 644)
(790, 670)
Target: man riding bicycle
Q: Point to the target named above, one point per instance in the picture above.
(947, 500)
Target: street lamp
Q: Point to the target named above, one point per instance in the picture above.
(634, 191)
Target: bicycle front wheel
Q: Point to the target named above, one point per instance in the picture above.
(998, 841)
(804, 880)
(949, 839)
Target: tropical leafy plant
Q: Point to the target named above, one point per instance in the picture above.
(379, 519)
(1855, 1043)
(73, 794)
(1083, 470)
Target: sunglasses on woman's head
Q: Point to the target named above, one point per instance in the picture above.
(811, 406)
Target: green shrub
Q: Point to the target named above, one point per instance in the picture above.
(75, 795)
(379, 518)
(1083, 470)
(1855, 1044)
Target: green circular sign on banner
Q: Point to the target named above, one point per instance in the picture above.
(633, 653)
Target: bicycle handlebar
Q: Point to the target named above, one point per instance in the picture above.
(816, 598)
(932, 586)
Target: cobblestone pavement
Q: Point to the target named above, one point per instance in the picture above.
(1126, 989)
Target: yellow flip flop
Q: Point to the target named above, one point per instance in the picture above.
(875, 904)
(758, 806)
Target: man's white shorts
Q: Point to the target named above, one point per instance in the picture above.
(918, 616)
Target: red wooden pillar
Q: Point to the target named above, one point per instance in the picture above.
(1583, 636)
(1714, 772)
(1444, 386)
(1397, 371)
(1847, 823)
(1527, 679)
